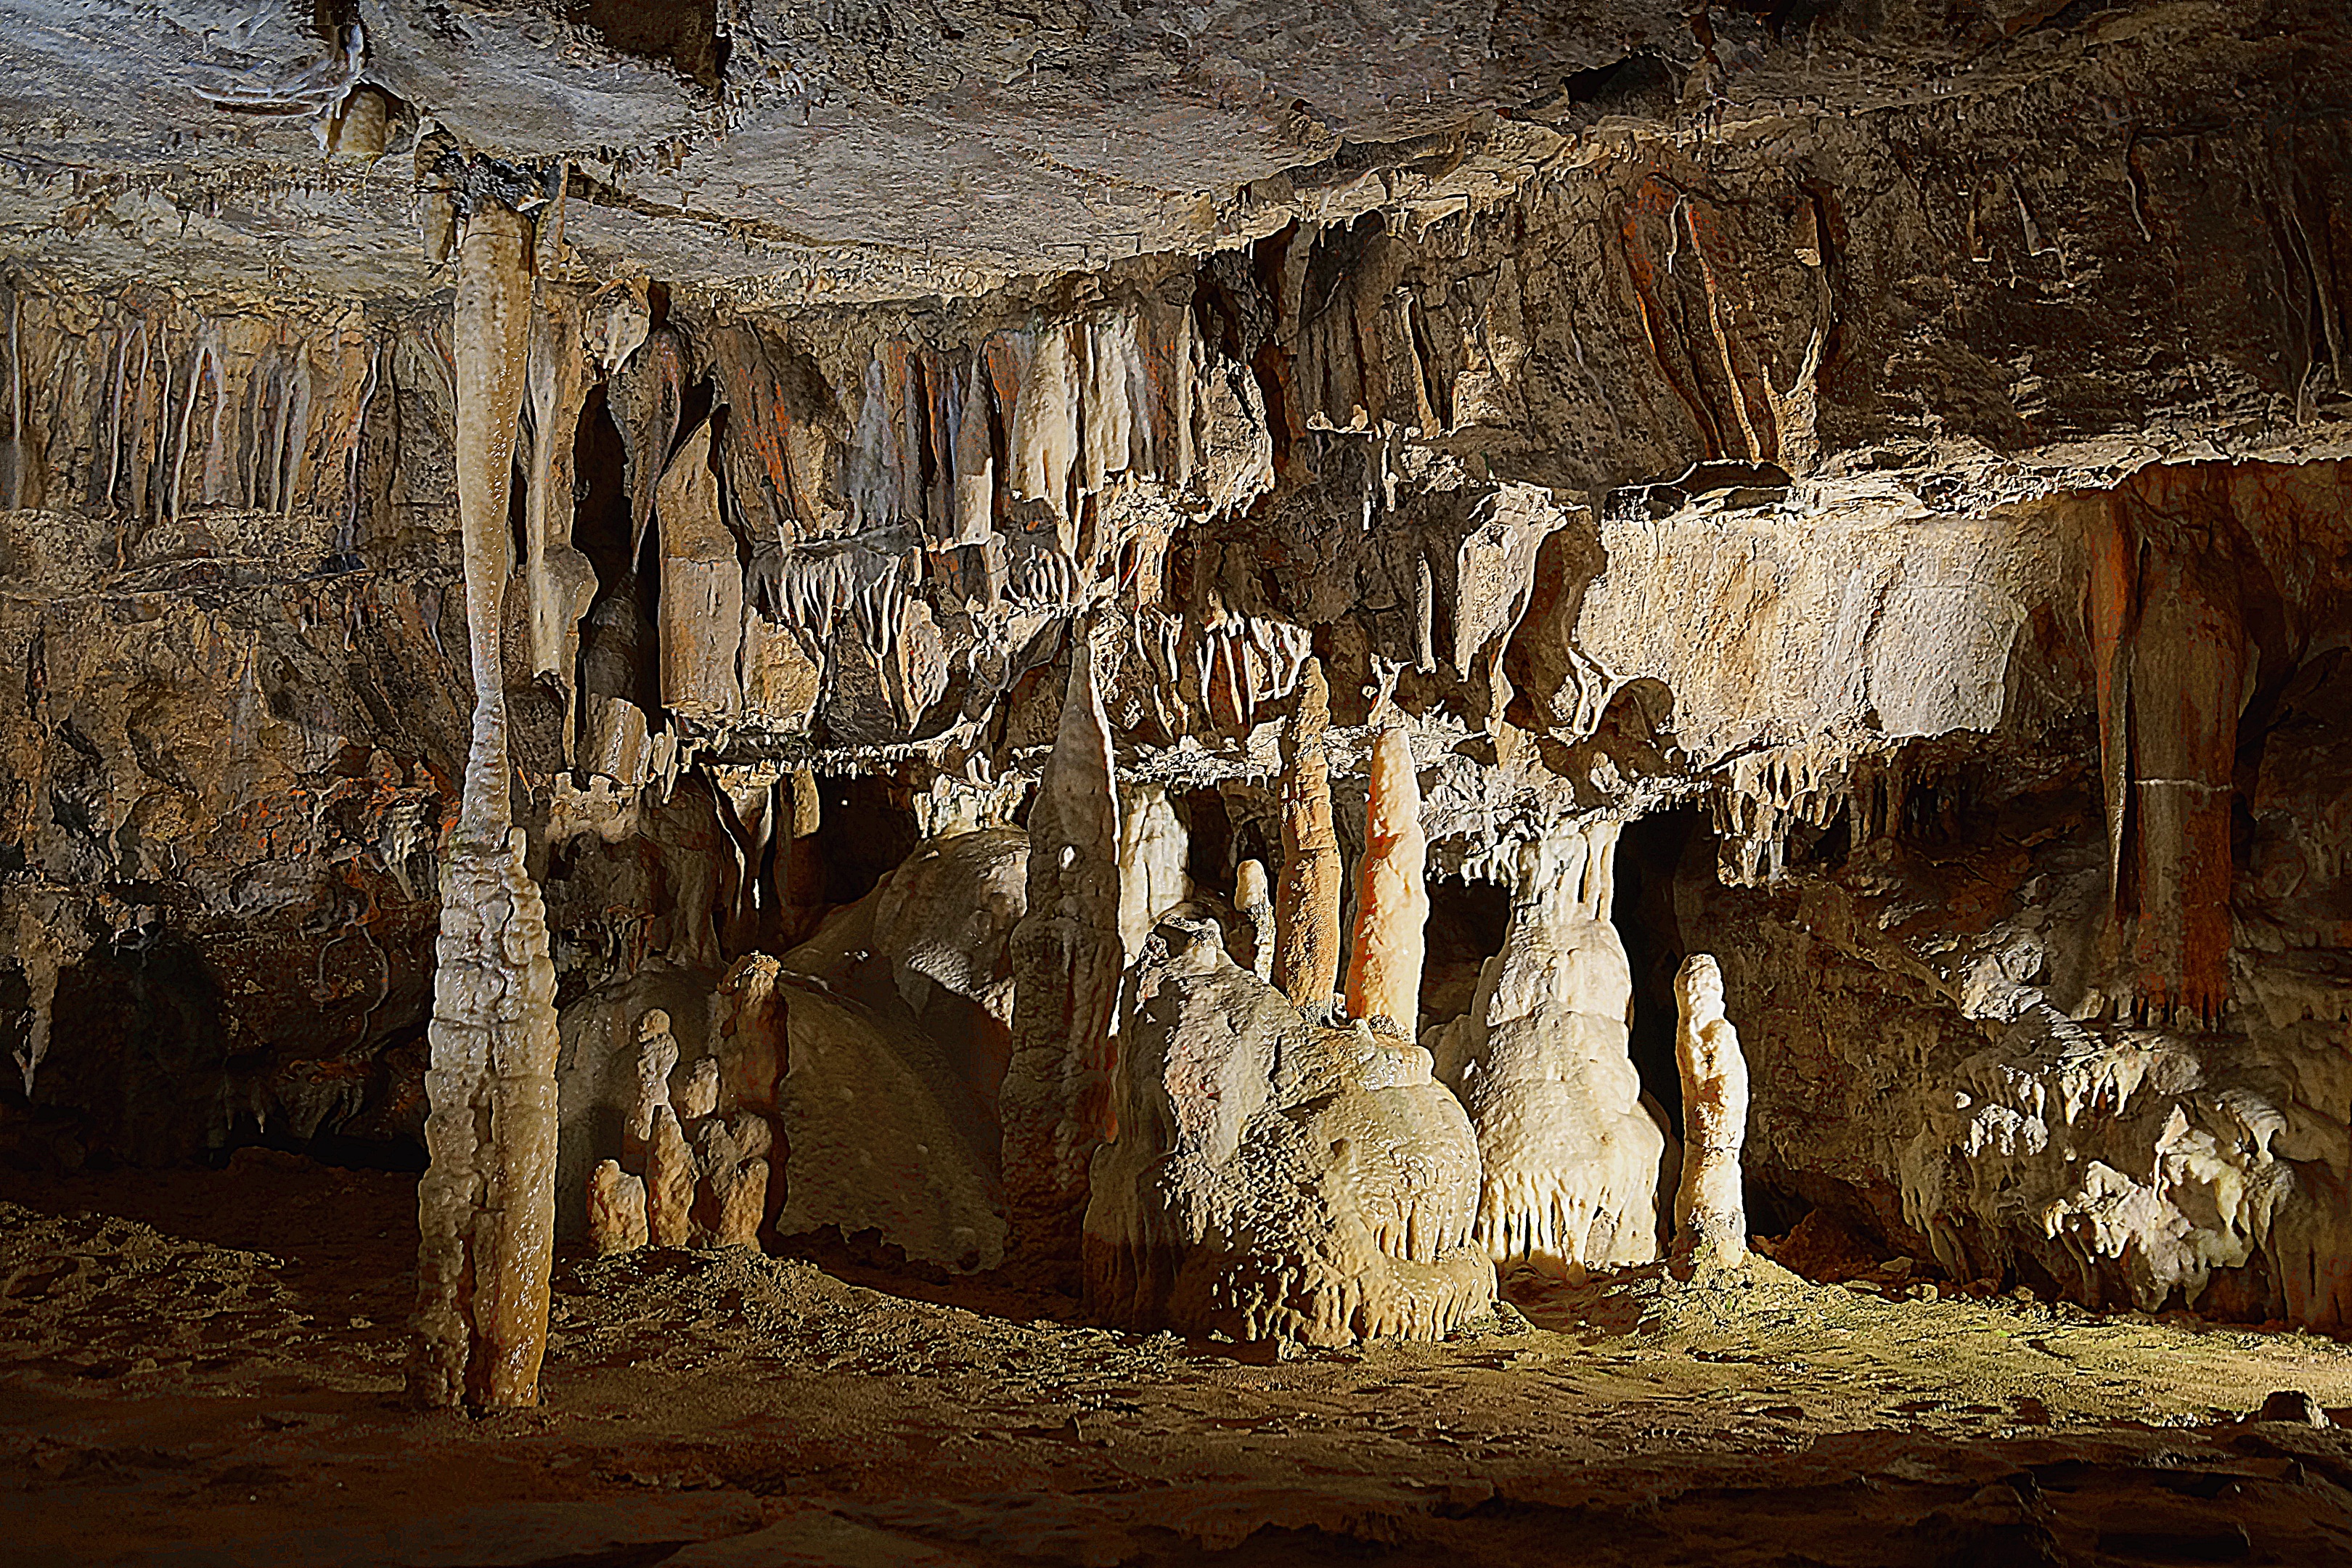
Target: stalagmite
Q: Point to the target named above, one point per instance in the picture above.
(1710, 1206)
(1274, 1179)
(1307, 898)
(1255, 899)
(1569, 1156)
(1067, 959)
(656, 1057)
(616, 1209)
(1151, 843)
(670, 1177)
(698, 1095)
(486, 1206)
(1391, 899)
(740, 1199)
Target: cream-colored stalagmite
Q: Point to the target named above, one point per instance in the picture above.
(1254, 897)
(1307, 898)
(1066, 961)
(1569, 1153)
(486, 1206)
(1711, 1207)
(1152, 846)
(656, 1059)
(1392, 897)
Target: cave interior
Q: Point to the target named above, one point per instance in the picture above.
(986, 783)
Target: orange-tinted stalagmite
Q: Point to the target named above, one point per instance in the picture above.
(1306, 898)
(1392, 897)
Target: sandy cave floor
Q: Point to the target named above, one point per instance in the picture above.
(206, 1368)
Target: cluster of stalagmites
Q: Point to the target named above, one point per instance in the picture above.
(1285, 1165)
(1040, 1046)
(1048, 1047)
(689, 1174)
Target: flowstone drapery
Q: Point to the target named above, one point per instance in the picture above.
(1569, 1154)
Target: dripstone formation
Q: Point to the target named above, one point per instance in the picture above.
(1197, 660)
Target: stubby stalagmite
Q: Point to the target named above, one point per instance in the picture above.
(616, 1209)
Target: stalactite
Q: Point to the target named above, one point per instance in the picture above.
(1391, 899)
(975, 459)
(559, 583)
(701, 588)
(16, 403)
(204, 357)
(802, 894)
(486, 1206)
(870, 468)
(1307, 898)
(1044, 435)
(1067, 959)
(2174, 667)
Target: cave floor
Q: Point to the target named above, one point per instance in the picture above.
(207, 1370)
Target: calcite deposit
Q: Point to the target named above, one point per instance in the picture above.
(1273, 1178)
(837, 611)
(1384, 958)
(1306, 896)
(1067, 954)
(617, 1220)
(486, 1206)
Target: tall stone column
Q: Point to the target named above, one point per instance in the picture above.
(486, 1208)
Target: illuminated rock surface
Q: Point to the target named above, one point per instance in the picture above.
(1274, 1179)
